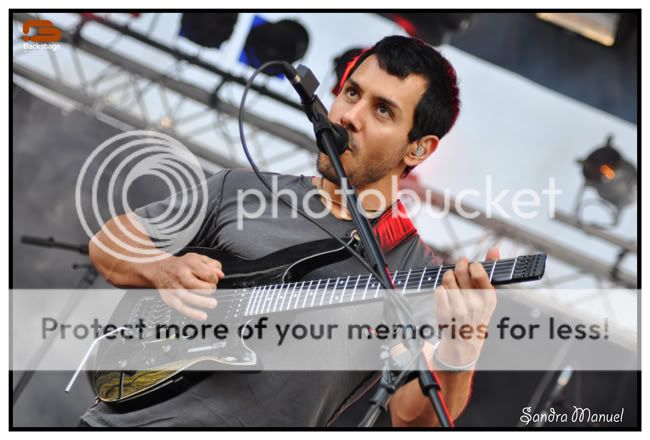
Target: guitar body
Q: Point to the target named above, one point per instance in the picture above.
(126, 368)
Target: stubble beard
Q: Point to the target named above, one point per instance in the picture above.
(357, 178)
(364, 175)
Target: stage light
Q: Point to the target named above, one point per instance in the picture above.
(613, 177)
(434, 28)
(600, 27)
(285, 40)
(208, 29)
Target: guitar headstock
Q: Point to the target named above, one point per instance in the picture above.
(517, 270)
(529, 268)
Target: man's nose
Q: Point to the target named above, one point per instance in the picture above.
(352, 118)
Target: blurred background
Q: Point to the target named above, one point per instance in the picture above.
(545, 97)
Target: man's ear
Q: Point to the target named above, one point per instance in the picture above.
(420, 150)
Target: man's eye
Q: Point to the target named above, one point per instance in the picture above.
(351, 92)
(384, 111)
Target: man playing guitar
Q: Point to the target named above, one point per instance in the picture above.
(397, 101)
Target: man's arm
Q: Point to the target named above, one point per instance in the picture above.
(410, 407)
(185, 283)
(107, 254)
(467, 295)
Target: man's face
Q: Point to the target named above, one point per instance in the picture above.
(377, 110)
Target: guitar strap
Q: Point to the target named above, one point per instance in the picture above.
(393, 227)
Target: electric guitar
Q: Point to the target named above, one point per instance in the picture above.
(132, 368)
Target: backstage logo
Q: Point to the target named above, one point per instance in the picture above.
(113, 169)
(44, 35)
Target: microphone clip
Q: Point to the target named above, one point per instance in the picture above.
(305, 83)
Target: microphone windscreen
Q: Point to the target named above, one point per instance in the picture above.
(341, 138)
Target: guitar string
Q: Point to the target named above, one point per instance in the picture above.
(342, 294)
(505, 269)
(502, 267)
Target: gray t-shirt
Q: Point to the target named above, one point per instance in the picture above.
(269, 398)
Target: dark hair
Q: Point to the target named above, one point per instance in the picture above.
(438, 108)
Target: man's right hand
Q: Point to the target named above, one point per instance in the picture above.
(187, 283)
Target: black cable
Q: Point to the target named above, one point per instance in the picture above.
(268, 186)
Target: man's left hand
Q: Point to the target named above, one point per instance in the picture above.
(465, 297)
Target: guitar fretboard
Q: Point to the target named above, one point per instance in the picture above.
(276, 298)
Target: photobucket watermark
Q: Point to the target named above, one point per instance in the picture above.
(523, 203)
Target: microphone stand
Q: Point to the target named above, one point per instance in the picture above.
(52, 243)
(89, 277)
(332, 139)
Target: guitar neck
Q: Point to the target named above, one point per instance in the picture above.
(328, 292)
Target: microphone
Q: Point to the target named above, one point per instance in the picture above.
(305, 83)
(341, 138)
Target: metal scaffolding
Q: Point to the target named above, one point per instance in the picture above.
(144, 97)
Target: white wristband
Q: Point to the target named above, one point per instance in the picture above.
(458, 368)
